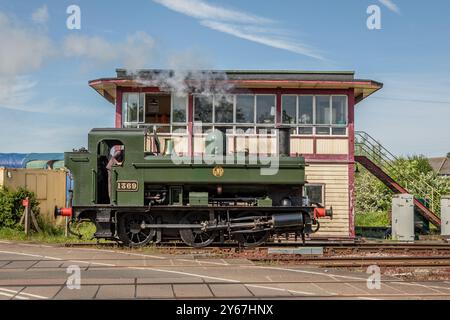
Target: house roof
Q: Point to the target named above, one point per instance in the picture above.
(292, 79)
(441, 165)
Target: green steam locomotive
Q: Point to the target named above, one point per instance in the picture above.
(138, 197)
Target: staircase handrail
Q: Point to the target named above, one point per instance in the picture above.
(385, 158)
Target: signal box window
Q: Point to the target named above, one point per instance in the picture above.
(179, 107)
(315, 193)
(289, 109)
(265, 109)
(203, 106)
(245, 108)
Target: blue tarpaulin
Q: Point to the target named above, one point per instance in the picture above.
(20, 160)
(12, 160)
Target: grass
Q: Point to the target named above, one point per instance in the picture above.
(372, 219)
(50, 233)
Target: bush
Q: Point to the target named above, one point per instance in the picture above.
(11, 208)
(413, 173)
(372, 219)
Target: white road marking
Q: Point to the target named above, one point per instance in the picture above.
(306, 271)
(6, 242)
(141, 255)
(79, 261)
(12, 295)
(220, 279)
(205, 276)
(391, 287)
(103, 264)
(367, 298)
(201, 261)
(278, 289)
(433, 288)
(53, 258)
(185, 274)
(23, 293)
(420, 285)
(213, 262)
(23, 254)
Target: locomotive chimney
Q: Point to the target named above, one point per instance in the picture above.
(284, 141)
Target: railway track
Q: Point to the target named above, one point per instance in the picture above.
(329, 248)
(334, 255)
(364, 261)
(324, 262)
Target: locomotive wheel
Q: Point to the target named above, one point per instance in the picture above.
(251, 239)
(196, 237)
(130, 231)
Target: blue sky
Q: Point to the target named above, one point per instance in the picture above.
(47, 106)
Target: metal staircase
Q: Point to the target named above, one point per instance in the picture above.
(380, 162)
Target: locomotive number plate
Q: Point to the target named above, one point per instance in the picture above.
(127, 185)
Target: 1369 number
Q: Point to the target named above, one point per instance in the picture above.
(127, 186)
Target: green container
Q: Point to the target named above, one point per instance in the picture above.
(198, 198)
(58, 164)
(37, 164)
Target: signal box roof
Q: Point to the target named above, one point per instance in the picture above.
(286, 79)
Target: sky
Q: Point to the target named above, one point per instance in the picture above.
(46, 104)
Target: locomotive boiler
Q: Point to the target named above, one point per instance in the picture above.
(138, 197)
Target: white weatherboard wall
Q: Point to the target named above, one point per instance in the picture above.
(335, 179)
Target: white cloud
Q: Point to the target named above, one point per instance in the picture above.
(265, 39)
(15, 93)
(138, 51)
(390, 5)
(202, 10)
(239, 24)
(94, 48)
(22, 51)
(134, 53)
(40, 15)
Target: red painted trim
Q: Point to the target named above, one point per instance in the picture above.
(275, 82)
(118, 120)
(274, 91)
(142, 89)
(278, 108)
(287, 91)
(353, 83)
(314, 145)
(190, 128)
(351, 166)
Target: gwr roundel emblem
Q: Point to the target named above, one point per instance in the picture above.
(218, 171)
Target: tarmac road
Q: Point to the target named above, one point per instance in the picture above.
(35, 271)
